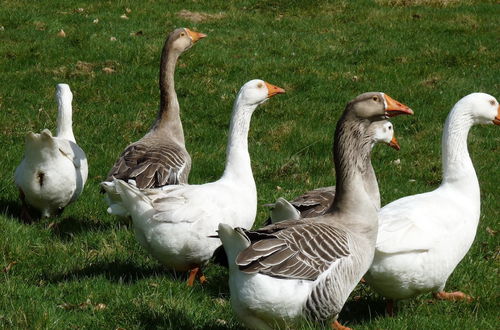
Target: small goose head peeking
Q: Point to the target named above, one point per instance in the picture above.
(376, 106)
(257, 91)
(182, 39)
(383, 132)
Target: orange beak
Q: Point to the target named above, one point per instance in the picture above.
(496, 121)
(195, 36)
(273, 90)
(394, 143)
(395, 108)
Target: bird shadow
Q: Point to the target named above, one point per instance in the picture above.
(216, 285)
(176, 318)
(118, 272)
(69, 227)
(11, 208)
(361, 309)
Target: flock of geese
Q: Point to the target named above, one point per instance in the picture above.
(315, 249)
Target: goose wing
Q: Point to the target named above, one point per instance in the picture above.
(152, 166)
(417, 223)
(72, 151)
(314, 203)
(294, 250)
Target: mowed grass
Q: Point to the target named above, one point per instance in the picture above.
(85, 269)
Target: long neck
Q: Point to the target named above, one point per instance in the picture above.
(371, 184)
(237, 156)
(64, 119)
(351, 150)
(169, 119)
(457, 165)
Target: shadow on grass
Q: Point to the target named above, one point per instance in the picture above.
(177, 319)
(10, 208)
(119, 272)
(362, 310)
(68, 227)
(217, 282)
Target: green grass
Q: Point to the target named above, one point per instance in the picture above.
(85, 269)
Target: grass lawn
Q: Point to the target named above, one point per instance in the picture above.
(84, 269)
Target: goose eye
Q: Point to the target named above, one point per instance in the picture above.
(183, 34)
(390, 128)
(259, 85)
(492, 102)
(375, 98)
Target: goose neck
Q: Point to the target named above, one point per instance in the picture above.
(457, 165)
(64, 119)
(168, 119)
(351, 154)
(371, 184)
(237, 156)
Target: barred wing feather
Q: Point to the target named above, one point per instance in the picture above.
(293, 250)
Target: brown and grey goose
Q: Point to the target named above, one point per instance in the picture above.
(307, 268)
(160, 158)
(315, 203)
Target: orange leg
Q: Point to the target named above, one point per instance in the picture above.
(453, 296)
(337, 326)
(193, 273)
(192, 276)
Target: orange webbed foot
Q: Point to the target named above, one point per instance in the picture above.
(337, 326)
(193, 273)
(453, 296)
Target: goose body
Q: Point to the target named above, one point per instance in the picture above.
(160, 158)
(423, 237)
(307, 268)
(316, 202)
(174, 223)
(54, 170)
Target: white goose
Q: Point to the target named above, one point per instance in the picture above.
(316, 202)
(174, 223)
(307, 268)
(423, 237)
(54, 169)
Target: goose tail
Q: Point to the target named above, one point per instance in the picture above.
(114, 200)
(234, 241)
(283, 210)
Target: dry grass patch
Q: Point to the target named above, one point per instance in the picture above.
(410, 3)
(431, 81)
(278, 134)
(198, 17)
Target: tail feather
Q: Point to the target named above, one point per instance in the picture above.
(121, 197)
(137, 204)
(234, 241)
(283, 210)
(114, 200)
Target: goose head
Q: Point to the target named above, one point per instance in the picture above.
(483, 108)
(376, 106)
(63, 93)
(257, 91)
(183, 38)
(383, 132)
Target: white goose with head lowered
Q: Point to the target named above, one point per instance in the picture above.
(160, 158)
(174, 223)
(307, 268)
(422, 238)
(316, 202)
(54, 169)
